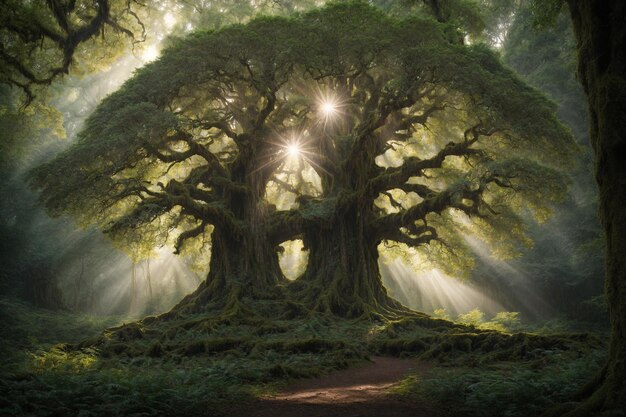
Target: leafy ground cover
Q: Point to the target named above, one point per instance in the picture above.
(57, 363)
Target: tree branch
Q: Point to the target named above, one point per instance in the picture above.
(286, 225)
(414, 167)
(452, 197)
(189, 234)
(427, 235)
(66, 39)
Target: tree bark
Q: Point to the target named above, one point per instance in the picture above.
(241, 267)
(244, 264)
(601, 34)
(342, 275)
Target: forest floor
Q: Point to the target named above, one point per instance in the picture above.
(362, 391)
(311, 366)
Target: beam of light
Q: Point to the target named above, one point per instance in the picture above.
(294, 167)
(107, 285)
(527, 295)
(432, 289)
(289, 150)
(327, 105)
(294, 146)
(169, 19)
(297, 147)
(150, 54)
(328, 108)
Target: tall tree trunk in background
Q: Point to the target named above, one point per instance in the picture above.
(148, 279)
(79, 283)
(600, 28)
(132, 304)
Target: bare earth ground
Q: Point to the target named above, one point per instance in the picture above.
(355, 392)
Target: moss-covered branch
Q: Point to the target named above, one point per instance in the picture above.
(414, 167)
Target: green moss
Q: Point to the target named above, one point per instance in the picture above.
(128, 332)
(155, 350)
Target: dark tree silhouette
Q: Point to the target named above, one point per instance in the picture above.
(601, 37)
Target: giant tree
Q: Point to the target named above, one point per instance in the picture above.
(380, 130)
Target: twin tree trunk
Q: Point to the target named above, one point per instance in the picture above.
(342, 275)
(601, 34)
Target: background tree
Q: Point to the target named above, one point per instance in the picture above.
(42, 39)
(565, 265)
(25, 258)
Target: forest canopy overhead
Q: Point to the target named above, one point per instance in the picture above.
(343, 127)
(40, 40)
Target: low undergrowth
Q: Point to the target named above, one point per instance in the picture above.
(24, 329)
(506, 389)
(193, 363)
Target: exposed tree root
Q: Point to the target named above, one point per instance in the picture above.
(255, 327)
(371, 303)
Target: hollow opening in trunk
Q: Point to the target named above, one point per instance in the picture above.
(293, 258)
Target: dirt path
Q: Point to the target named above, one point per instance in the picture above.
(355, 392)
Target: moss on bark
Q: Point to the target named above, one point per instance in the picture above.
(601, 35)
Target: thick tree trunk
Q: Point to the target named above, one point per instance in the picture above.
(342, 276)
(601, 33)
(241, 267)
(244, 264)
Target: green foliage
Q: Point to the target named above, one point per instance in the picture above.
(143, 154)
(25, 132)
(546, 12)
(42, 40)
(26, 328)
(504, 321)
(546, 59)
(441, 313)
(215, 364)
(509, 320)
(193, 363)
(473, 317)
(506, 389)
(124, 391)
(58, 358)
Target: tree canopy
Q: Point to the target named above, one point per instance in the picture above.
(41, 39)
(372, 129)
